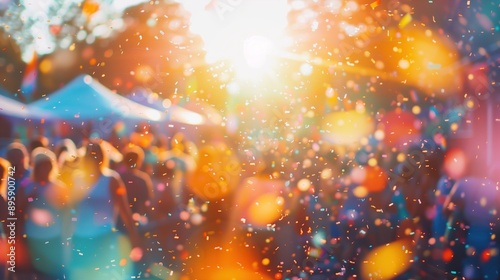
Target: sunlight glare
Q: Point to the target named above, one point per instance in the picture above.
(232, 30)
(256, 49)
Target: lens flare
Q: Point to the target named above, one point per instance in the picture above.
(232, 30)
(347, 127)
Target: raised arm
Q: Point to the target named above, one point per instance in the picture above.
(119, 196)
(450, 206)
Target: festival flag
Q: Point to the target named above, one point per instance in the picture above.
(28, 85)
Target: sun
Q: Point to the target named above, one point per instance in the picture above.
(248, 34)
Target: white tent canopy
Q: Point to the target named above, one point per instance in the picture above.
(173, 113)
(210, 113)
(84, 98)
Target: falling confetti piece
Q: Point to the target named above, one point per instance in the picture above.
(414, 95)
(405, 21)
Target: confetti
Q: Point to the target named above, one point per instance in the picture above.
(305, 154)
(405, 21)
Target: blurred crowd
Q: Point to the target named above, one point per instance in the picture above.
(156, 207)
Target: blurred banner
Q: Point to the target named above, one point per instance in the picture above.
(28, 85)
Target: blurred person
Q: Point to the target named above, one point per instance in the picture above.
(65, 145)
(67, 160)
(152, 154)
(475, 200)
(138, 183)
(119, 142)
(139, 192)
(38, 141)
(180, 163)
(6, 134)
(18, 157)
(143, 136)
(99, 196)
(247, 214)
(440, 221)
(115, 157)
(42, 200)
(420, 174)
(22, 266)
(382, 217)
(354, 223)
(415, 180)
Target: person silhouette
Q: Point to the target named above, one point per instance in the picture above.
(18, 157)
(42, 200)
(98, 197)
(138, 183)
(475, 200)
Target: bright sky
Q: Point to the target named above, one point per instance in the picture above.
(226, 26)
(245, 32)
(38, 10)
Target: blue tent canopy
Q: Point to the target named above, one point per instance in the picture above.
(84, 98)
(15, 109)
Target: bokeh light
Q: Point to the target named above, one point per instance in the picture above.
(376, 179)
(387, 261)
(286, 139)
(304, 184)
(400, 127)
(227, 34)
(217, 172)
(347, 127)
(266, 209)
(455, 163)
